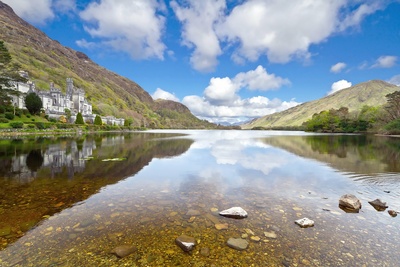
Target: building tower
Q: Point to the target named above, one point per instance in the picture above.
(70, 88)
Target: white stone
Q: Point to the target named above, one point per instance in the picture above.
(234, 212)
(305, 222)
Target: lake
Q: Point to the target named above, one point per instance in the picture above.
(70, 201)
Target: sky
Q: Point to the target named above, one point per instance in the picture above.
(230, 61)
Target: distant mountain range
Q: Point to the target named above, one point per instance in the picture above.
(46, 61)
(370, 93)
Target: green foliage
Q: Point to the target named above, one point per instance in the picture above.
(128, 122)
(17, 124)
(3, 120)
(393, 127)
(79, 119)
(337, 121)
(8, 75)
(97, 120)
(68, 114)
(33, 103)
(393, 105)
(9, 115)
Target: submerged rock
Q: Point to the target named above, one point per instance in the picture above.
(392, 213)
(186, 243)
(124, 250)
(349, 203)
(378, 204)
(234, 212)
(304, 223)
(237, 243)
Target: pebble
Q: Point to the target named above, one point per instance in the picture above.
(205, 252)
(305, 222)
(124, 250)
(186, 243)
(237, 243)
(221, 226)
(255, 238)
(234, 212)
(271, 235)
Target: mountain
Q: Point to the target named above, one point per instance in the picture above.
(370, 93)
(46, 61)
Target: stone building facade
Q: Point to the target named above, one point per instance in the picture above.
(55, 102)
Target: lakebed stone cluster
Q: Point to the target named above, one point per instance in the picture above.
(350, 203)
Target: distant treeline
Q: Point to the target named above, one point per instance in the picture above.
(383, 119)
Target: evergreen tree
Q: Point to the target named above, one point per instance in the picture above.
(79, 119)
(8, 75)
(97, 120)
(33, 103)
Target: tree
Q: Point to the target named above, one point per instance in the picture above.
(33, 103)
(8, 75)
(79, 119)
(68, 114)
(393, 105)
(97, 120)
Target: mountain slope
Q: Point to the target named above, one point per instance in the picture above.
(370, 93)
(46, 61)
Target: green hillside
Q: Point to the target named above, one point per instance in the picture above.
(46, 61)
(370, 93)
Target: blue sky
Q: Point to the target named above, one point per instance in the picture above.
(230, 61)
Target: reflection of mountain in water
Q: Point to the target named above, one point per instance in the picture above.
(358, 154)
(43, 176)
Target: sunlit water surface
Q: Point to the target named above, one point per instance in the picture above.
(72, 201)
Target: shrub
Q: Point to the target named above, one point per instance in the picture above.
(9, 115)
(31, 126)
(98, 121)
(17, 124)
(28, 115)
(40, 125)
(3, 120)
(33, 119)
(2, 109)
(53, 120)
(79, 119)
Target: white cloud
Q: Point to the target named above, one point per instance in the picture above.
(34, 11)
(339, 85)
(40, 11)
(85, 44)
(161, 94)
(259, 79)
(280, 29)
(134, 27)
(385, 62)
(395, 80)
(338, 67)
(199, 19)
(221, 101)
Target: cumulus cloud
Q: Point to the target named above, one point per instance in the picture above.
(385, 62)
(338, 67)
(221, 101)
(35, 11)
(259, 79)
(134, 27)
(38, 12)
(199, 19)
(339, 85)
(161, 94)
(280, 29)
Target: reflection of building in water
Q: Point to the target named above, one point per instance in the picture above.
(72, 157)
(69, 157)
(19, 169)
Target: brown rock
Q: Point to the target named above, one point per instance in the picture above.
(124, 250)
